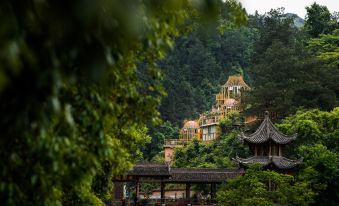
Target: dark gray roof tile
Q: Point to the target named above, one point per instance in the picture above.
(267, 131)
(278, 161)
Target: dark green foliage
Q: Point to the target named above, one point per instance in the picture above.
(289, 70)
(326, 47)
(272, 27)
(253, 189)
(319, 20)
(200, 62)
(318, 143)
(73, 103)
(216, 154)
(159, 133)
(274, 63)
(285, 70)
(326, 50)
(234, 121)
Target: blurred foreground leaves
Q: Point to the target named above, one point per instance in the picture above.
(73, 102)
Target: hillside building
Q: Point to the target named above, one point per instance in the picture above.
(227, 100)
(206, 128)
(189, 131)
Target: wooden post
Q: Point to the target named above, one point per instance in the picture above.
(255, 150)
(213, 190)
(280, 150)
(228, 93)
(137, 187)
(162, 192)
(124, 194)
(188, 192)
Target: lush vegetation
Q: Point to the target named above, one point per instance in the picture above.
(74, 100)
(264, 188)
(292, 71)
(80, 92)
(200, 62)
(268, 49)
(315, 182)
(285, 69)
(217, 154)
(318, 143)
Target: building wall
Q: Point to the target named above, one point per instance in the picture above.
(209, 133)
(169, 154)
(249, 119)
(172, 194)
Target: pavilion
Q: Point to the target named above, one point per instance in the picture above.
(268, 146)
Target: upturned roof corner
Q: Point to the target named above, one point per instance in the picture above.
(266, 132)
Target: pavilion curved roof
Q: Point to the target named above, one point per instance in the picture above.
(279, 161)
(267, 131)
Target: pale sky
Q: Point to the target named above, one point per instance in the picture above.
(291, 6)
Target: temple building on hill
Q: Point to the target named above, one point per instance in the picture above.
(267, 146)
(206, 128)
(209, 126)
(227, 100)
(189, 131)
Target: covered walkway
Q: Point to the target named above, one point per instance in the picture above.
(164, 174)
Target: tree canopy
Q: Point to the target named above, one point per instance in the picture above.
(74, 102)
(318, 143)
(264, 188)
(319, 20)
(289, 69)
(81, 84)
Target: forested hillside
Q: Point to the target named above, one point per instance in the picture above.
(289, 63)
(83, 83)
(200, 62)
(293, 69)
(267, 49)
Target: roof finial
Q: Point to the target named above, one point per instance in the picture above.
(267, 113)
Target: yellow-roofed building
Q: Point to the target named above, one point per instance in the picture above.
(206, 128)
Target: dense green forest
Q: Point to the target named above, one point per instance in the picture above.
(87, 88)
(74, 102)
(293, 70)
(267, 49)
(288, 66)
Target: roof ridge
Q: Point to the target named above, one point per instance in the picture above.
(267, 131)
